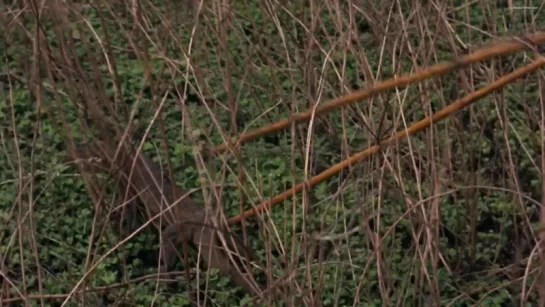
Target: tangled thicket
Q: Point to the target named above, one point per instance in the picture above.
(450, 217)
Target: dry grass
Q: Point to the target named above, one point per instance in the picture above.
(447, 218)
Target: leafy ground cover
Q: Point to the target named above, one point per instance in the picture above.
(448, 218)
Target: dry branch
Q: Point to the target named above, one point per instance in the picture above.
(416, 127)
(498, 49)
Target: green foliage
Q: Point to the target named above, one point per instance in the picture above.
(53, 228)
